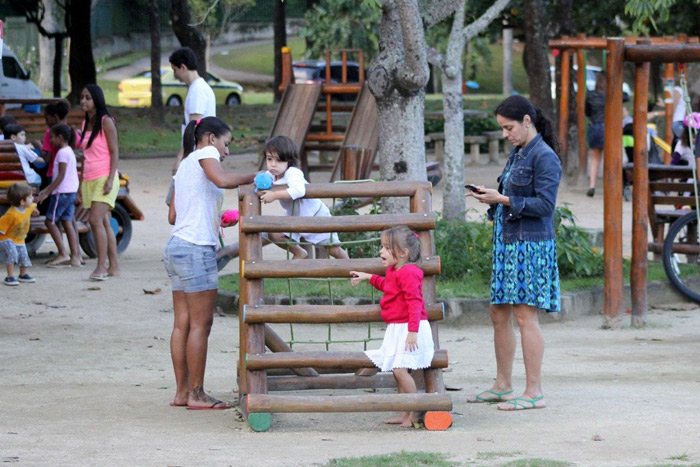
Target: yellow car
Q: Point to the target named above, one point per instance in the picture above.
(136, 91)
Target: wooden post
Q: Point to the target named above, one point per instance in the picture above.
(640, 216)
(422, 202)
(581, 114)
(668, 108)
(612, 194)
(564, 103)
(349, 157)
(252, 337)
(287, 75)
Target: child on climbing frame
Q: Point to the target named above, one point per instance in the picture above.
(408, 341)
(282, 161)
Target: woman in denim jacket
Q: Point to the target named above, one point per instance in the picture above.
(525, 276)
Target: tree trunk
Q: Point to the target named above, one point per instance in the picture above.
(537, 50)
(280, 28)
(397, 77)
(157, 109)
(454, 203)
(81, 64)
(188, 36)
(47, 46)
(57, 64)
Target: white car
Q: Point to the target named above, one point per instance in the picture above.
(591, 72)
(15, 82)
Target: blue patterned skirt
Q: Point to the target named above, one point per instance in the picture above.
(524, 272)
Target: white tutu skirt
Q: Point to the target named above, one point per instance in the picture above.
(393, 354)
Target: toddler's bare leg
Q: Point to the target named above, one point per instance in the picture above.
(338, 253)
(406, 385)
(296, 250)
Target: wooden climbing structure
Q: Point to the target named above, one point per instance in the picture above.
(268, 363)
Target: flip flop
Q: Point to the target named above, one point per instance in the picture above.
(99, 277)
(62, 264)
(479, 399)
(521, 403)
(218, 405)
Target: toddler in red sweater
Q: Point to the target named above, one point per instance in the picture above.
(408, 341)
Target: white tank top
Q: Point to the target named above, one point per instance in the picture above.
(679, 111)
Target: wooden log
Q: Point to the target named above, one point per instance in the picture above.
(354, 190)
(666, 53)
(564, 105)
(640, 201)
(322, 314)
(347, 381)
(601, 43)
(376, 223)
(364, 403)
(276, 344)
(284, 269)
(612, 193)
(321, 359)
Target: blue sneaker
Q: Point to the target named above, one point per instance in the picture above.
(11, 281)
(26, 278)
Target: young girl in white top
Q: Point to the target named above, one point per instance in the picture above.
(190, 255)
(282, 161)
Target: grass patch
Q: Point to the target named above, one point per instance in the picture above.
(257, 58)
(537, 462)
(489, 75)
(399, 459)
(258, 98)
(123, 60)
(682, 457)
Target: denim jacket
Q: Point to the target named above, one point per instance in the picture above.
(532, 186)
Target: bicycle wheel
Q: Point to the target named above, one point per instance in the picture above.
(681, 254)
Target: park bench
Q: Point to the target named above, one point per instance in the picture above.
(671, 195)
(493, 139)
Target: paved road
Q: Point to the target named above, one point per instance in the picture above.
(242, 77)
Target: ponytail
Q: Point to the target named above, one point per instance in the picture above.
(544, 128)
(196, 130)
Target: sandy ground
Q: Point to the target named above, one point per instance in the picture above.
(87, 378)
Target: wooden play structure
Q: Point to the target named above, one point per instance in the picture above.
(268, 363)
(641, 54)
(577, 46)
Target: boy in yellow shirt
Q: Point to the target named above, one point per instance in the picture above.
(14, 227)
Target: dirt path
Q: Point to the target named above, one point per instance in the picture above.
(86, 377)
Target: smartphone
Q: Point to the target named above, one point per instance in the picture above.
(473, 188)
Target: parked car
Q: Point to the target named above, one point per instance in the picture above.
(136, 91)
(314, 71)
(591, 72)
(15, 82)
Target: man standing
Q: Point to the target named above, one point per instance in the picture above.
(200, 101)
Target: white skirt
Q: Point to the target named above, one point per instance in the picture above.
(393, 354)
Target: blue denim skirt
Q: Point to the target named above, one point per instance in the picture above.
(191, 268)
(596, 135)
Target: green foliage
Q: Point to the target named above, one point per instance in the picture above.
(650, 12)
(339, 24)
(472, 126)
(465, 249)
(575, 253)
(397, 459)
(361, 244)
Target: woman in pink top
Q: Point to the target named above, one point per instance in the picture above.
(99, 183)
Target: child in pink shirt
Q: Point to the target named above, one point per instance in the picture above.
(62, 190)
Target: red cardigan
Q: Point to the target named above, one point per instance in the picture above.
(402, 301)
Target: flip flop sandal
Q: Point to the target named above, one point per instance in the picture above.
(62, 264)
(520, 403)
(479, 399)
(99, 277)
(218, 405)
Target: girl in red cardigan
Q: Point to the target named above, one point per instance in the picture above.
(408, 342)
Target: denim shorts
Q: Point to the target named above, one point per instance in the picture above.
(61, 207)
(13, 253)
(192, 268)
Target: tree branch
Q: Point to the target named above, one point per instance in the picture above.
(435, 58)
(477, 27)
(413, 72)
(435, 11)
(455, 43)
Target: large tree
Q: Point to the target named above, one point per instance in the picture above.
(157, 108)
(81, 63)
(188, 34)
(452, 71)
